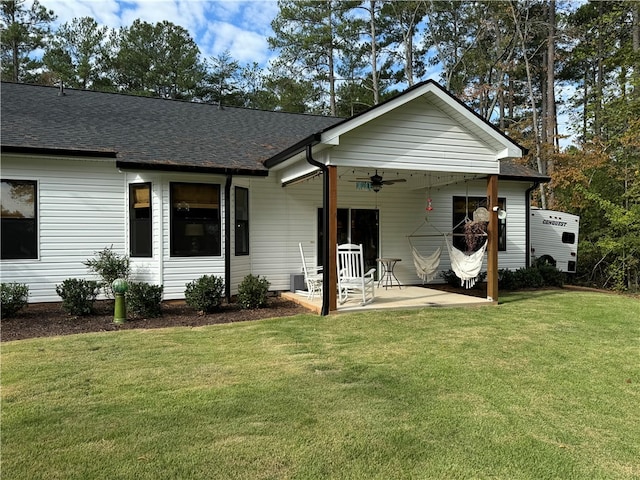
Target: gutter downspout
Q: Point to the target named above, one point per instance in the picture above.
(325, 227)
(527, 222)
(227, 238)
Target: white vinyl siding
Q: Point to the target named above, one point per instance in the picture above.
(81, 210)
(283, 217)
(415, 136)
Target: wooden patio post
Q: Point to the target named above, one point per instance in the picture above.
(332, 238)
(492, 247)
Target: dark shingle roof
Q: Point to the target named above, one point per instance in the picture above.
(511, 170)
(150, 131)
(145, 132)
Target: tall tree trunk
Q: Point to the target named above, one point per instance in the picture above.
(331, 66)
(534, 108)
(636, 48)
(551, 118)
(374, 54)
(408, 55)
(597, 121)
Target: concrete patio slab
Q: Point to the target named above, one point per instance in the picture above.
(406, 297)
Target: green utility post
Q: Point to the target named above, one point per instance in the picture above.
(120, 287)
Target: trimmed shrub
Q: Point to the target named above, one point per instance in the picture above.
(205, 293)
(539, 275)
(15, 297)
(109, 265)
(551, 276)
(508, 279)
(452, 279)
(78, 295)
(144, 300)
(252, 292)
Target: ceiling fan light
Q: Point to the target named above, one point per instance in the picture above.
(376, 187)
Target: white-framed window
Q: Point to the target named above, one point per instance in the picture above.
(140, 220)
(242, 220)
(195, 219)
(463, 208)
(19, 219)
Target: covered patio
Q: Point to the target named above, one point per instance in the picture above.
(391, 163)
(407, 297)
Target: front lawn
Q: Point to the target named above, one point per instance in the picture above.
(546, 385)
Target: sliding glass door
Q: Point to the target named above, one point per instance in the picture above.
(355, 225)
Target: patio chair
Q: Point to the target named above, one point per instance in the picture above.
(312, 276)
(351, 274)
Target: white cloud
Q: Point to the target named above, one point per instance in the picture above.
(244, 46)
(240, 26)
(105, 12)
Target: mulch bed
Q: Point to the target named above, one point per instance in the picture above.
(49, 319)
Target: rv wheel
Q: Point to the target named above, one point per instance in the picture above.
(548, 259)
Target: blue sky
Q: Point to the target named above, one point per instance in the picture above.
(240, 26)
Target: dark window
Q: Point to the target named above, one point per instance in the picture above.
(242, 221)
(19, 219)
(568, 237)
(464, 209)
(356, 225)
(140, 220)
(195, 219)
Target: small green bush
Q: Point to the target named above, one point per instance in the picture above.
(508, 279)
(205, 293)
(252, 292)
(78, 295)
(551, 276)
(15, 297)
(452, 279)
(109, 265)
(144, 300)
(539, 275)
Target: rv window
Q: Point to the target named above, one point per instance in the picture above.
(568, 237)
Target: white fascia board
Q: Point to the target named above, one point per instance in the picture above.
(509, 152)
(300, 170)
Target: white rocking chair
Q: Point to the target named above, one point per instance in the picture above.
(312, 277)
(351, 274)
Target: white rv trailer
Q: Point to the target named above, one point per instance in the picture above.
(554, 238)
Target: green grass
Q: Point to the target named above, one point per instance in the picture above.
(544, 386)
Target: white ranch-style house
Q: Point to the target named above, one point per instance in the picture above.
(187, 189)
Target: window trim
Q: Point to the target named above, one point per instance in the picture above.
(246, 221)
(36, 218)
(502, 224)
(172, 240)
(133, 185)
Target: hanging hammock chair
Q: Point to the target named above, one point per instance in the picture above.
(426, 267)
(466, 267)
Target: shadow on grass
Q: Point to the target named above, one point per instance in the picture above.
(521, 295)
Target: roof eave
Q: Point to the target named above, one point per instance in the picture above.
(61, 152)
(291, 151)
(191, 169)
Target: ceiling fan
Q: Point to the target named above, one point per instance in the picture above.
(377, 182)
